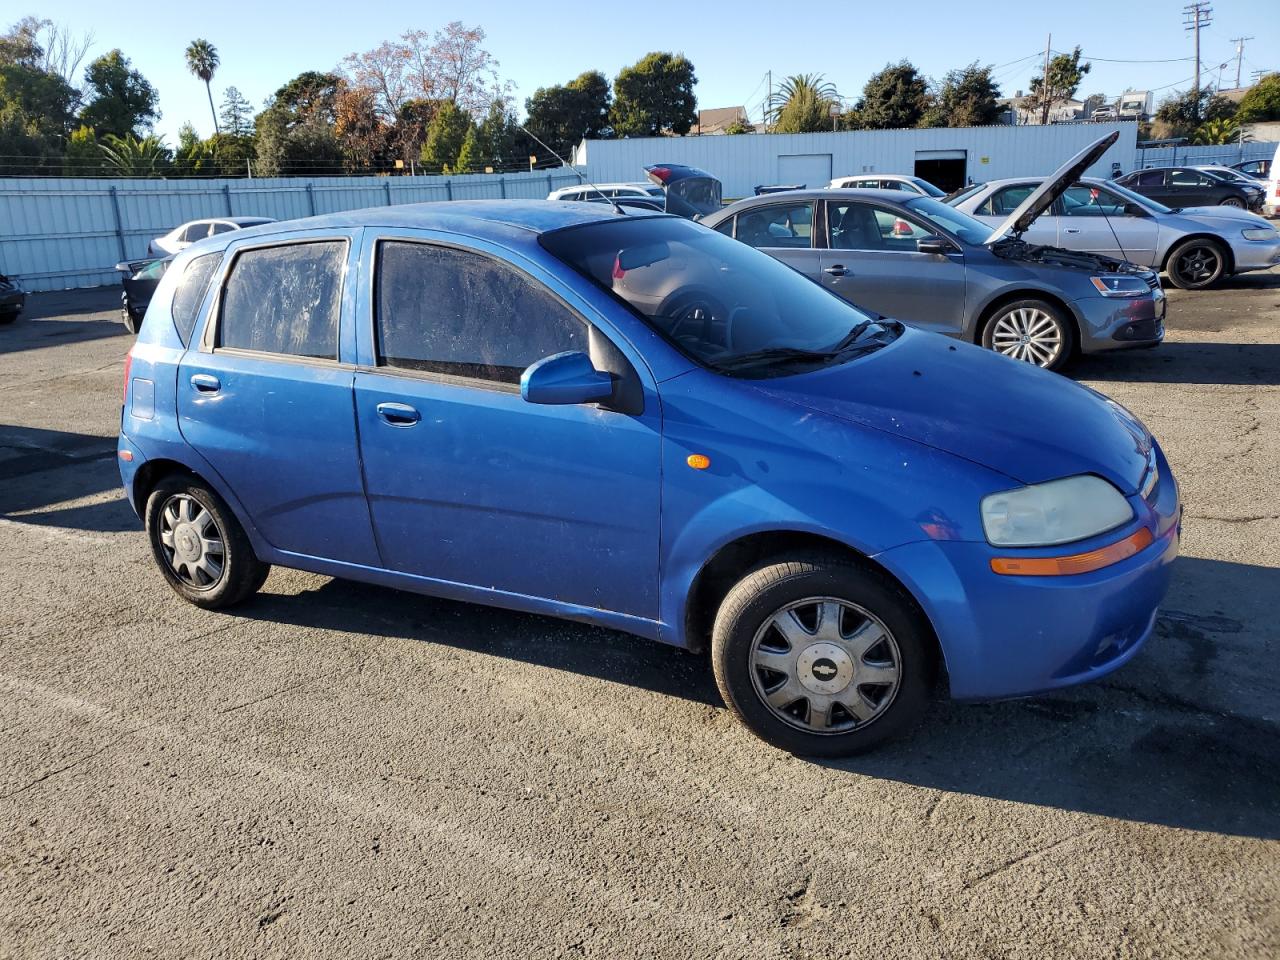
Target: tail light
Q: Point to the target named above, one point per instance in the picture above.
(901, 228)
(128, 362)
(659, 174)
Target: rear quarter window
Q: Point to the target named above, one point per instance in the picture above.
(190, 293)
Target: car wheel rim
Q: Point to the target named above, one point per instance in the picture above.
(825, 665)
(192, 542)
(1028, 333)
(1232, 202)
(1198, 265)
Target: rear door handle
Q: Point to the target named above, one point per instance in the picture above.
(398, 414)
(205, 383)
(836, 270)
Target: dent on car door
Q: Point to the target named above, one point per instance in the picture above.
(265, 397)
(785, 232)
(872, 261)
(470, 484)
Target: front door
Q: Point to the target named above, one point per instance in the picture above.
(267, 402)
(470, 484)
(1096, 220)
(872, 261)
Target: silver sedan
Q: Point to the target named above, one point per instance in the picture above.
(1195, 246)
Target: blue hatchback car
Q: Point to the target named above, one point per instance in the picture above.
(631, 420)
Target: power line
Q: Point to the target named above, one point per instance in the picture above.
(1086, 56)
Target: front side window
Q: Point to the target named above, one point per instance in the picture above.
(285, 299)
(726, 227)
(1087, 201)
(190, 293)
(721, 303)
(940, 215)
(778, 225)
(450, 311)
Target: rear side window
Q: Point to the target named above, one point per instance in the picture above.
(1004, 202)
(455, 312)
(285, 300)
(190, 293)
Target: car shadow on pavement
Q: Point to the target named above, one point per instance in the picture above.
(57, 319)
(1137, 746)
(1185, 362)
(43, 473)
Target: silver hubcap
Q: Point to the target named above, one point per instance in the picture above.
(1029, 334)
(1232, 202)
(825, 665)
(192, 542)
(1198, 265)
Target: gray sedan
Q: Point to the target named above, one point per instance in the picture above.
(1195, 246)
(917, 260)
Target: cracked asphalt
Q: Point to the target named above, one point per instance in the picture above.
(337, 770)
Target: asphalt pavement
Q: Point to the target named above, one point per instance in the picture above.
(339, 770)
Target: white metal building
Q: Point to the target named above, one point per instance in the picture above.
(947, 156)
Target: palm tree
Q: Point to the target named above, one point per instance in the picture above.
(202, 60)
(802, 86)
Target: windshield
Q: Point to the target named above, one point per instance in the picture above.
(928, 187)
(720, 302)
(1139, 199)
(950, 219)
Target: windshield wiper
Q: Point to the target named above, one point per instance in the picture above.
(773, 354)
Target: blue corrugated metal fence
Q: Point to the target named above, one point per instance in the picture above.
(60, 233)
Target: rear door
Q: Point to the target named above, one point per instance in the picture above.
(785, 231)
(266, 395)
(996, 209)
(872, 261)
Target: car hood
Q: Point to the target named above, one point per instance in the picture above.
(1222, 216)
(1006, 415)
(1041, 198)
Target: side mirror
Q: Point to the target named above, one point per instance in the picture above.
(935, 245)
(565, 378)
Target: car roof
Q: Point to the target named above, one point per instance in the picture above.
(478, 218)
(878, 176)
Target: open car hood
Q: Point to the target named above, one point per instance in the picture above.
(690, 192)
(1042, 197)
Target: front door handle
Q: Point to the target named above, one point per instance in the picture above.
(205, 383)
(836, 270)
(1070, 229)
(398, 414)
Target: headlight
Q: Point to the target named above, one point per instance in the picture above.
(1258, 233)
(1060, 511)
(1120, 286)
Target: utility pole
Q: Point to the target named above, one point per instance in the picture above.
(1239, 42)
(1259, 74)
(768, 102)
(1194, 16)
(1044, 81)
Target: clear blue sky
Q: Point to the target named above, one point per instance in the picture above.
(731, 44)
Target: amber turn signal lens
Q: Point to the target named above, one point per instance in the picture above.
(126, 456)
(1076, 562)
(698, 461)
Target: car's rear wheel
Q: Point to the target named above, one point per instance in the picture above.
(821, 657)
(8, 316)
(1196, 264)
(1033, 331)
(1232, 202)
(199, 545)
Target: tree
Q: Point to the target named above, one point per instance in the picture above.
(968, 98)
(409, 131)
(82, 157)
(288, 146)
(202, 61)
(1262, 102)
(237, 113)
(469, 155)
(655, 96)
(121, 101)
(310, 97)
(894, 98)
(366, 141)
(501, 141)
(562, 116)
(445, 136)
(1217, 132)
(36, 106)
(1064, 76)
(458, 68)
(1181, 114)
(47, 46)
(129, 156)
(384, 73)
(802, 104)
(739, 126)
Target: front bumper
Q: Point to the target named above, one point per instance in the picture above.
(1011, 636)
(1255, 254)
(1117, 324)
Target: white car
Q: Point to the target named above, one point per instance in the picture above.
(888, 181)
(621, 191)
(1227, 173)
(179, 238)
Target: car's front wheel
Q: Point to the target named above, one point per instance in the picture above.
(1033, 331)
(821, 657)
(199, 545)
(1196, 264)
(1232, 202)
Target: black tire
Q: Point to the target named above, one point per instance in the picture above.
(1196, 264)
(761, 595)
(8, 316)
(240, 573)
(1007, 315)
(131, 323)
